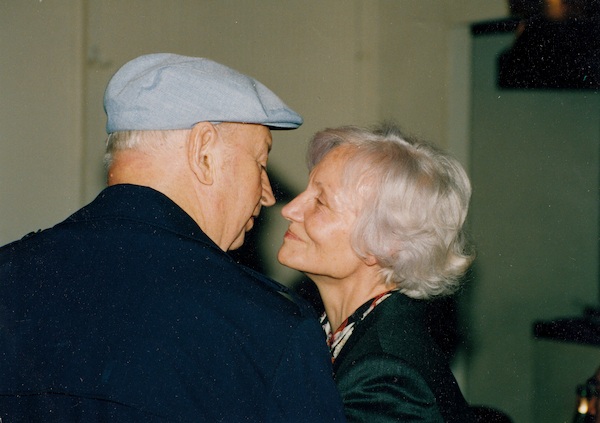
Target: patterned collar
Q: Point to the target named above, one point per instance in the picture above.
(336, 340)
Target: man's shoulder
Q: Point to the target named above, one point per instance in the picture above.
(287, 297)
(23, 246)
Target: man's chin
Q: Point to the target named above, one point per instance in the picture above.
(237, 243)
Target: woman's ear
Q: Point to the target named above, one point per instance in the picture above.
(201, 145)
(370, 260)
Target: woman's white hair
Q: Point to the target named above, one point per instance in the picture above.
(412, 200)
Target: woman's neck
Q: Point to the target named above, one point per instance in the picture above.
(341, 298)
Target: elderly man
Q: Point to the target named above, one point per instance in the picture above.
(131, 309)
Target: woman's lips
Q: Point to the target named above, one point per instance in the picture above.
(290, 235)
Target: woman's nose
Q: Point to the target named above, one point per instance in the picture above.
(293, 210)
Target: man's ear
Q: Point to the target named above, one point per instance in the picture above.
(201, 146)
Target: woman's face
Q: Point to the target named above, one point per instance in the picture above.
(321, 218)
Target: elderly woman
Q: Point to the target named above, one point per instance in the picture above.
(379, 231)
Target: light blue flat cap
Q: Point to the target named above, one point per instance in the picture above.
(168, 91)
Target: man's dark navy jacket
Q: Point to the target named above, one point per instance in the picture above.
(127, 311)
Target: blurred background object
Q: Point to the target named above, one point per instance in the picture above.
(557, 45)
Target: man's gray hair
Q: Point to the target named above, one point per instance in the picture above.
(143, 140)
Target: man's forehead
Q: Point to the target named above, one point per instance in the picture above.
(261, 135)
(247, 133)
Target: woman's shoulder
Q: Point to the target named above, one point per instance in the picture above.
(400, 355)
(396, 329)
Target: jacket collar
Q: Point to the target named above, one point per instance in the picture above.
(398, 309)
(146, 205)
(142, 204)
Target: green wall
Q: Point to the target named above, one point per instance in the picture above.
(534, 167)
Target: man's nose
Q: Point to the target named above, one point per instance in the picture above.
(268, 198)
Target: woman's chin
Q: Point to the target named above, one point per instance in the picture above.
(285, 258)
